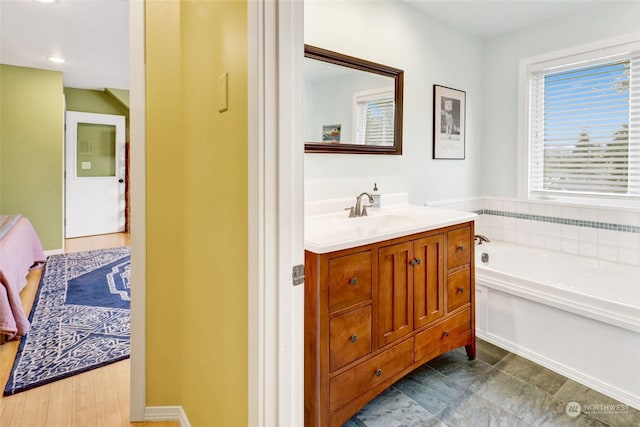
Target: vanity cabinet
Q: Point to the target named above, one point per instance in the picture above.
(376, 312)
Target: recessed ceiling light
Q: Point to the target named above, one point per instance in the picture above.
(46, 1)
(56, 59)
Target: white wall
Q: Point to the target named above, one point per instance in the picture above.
(596, 21)
(429, 52)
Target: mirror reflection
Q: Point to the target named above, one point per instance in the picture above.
(351, 105)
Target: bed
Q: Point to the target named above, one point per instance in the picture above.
(20, 250)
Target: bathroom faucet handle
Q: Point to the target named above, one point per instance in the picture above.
(480, 238)
(352, 212)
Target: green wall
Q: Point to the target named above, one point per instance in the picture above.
(92, 101)
(120, 95)
(31, 149)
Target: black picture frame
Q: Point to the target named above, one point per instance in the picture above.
(449, 121)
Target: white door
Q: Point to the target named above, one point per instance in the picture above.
(95, 174)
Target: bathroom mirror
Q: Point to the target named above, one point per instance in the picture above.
(351, 105)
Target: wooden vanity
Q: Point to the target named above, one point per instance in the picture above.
(375, 312)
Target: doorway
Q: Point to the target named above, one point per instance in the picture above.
(95, 174)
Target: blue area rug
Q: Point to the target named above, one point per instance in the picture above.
(79, 320)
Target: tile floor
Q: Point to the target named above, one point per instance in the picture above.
(499, 388)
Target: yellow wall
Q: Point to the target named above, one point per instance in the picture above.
(197, 194)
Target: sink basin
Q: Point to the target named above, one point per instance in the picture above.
(327, 233)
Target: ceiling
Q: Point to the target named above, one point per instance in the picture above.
(487, 18)
(92, 35)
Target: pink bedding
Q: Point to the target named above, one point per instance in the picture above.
(20, 248)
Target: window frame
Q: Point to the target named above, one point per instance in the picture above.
(366, 97)
(558, 58)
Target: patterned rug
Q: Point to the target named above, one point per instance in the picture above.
(79, 320)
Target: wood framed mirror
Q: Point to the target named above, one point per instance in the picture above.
(352, 106)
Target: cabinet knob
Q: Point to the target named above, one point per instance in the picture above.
(378, 372)
(447, 333)
(460, 248)
(419, 261)
(461, 289)
(353, 281)
(413, 263)
(354, 338)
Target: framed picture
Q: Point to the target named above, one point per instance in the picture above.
(448, 123)
(331, 134)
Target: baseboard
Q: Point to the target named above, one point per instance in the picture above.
(53, 252)
(167, 413)
(580, 377)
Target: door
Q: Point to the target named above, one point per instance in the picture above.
(428, 280)
(395, 292)
(94, 174)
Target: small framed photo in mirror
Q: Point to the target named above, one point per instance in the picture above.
(331, 134)
(449, 112)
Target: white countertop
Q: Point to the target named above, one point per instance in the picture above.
(328, 232)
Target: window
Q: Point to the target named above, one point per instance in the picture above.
(583, 125)
(374, 117)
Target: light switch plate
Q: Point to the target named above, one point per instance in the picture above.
(223, 92)
(85, 165)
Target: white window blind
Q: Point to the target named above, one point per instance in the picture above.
(374, 117)
(584, 126)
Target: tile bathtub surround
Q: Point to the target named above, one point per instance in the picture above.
(606, 234)
(564, 221)
(498, 388)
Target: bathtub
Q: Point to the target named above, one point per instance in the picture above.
(577, 316)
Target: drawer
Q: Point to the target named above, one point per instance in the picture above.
(349, 280)
(458, 289)
(459, 247)
(371, 374)
(452, 333)
(349, 337)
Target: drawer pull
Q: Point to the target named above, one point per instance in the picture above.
(447, 333)
(378, 372)
(353, 338)
(353, 281)
(460, 248)
(461, 289)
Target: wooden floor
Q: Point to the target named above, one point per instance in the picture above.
(95, 398)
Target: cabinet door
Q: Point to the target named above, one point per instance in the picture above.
(428, 280)
(395, 292)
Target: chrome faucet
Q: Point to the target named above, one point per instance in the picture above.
(359, 209)
(480, 238)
